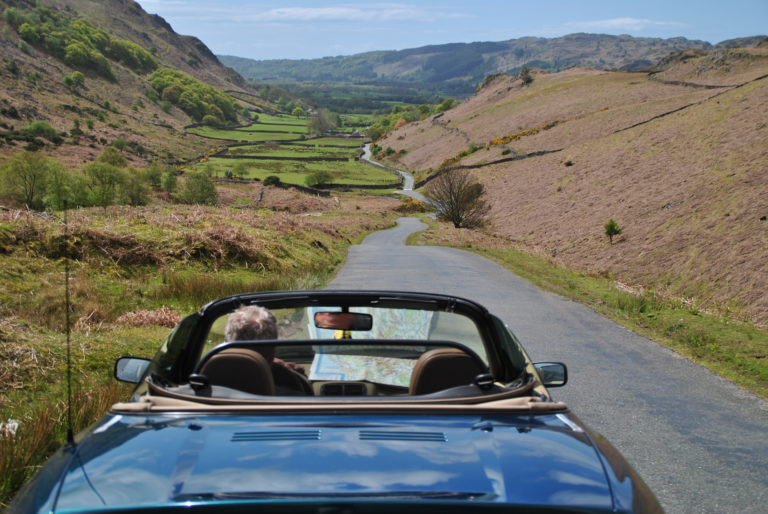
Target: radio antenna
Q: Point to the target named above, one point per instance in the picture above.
(70, 435)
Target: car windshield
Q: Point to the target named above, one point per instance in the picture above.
(344, 357)
(324, 343)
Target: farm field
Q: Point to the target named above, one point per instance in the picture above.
(296, 172)
(249, 134)
(276, 145)
(304, 150)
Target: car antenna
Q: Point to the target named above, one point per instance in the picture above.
(70, 435)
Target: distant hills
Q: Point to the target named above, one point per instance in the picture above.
(458, 68)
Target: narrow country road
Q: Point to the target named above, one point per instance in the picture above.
(407, 177)
(700, 442)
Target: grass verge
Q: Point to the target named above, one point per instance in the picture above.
(734, 349)
(135, 272)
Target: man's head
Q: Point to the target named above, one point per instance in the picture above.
(249, 323)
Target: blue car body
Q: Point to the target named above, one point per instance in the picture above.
(432, 453)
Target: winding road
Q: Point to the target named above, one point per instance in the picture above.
(700, 442)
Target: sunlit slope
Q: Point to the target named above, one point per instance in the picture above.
(682, 169)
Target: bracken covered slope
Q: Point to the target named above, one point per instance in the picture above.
(681, 167)
(33, 87)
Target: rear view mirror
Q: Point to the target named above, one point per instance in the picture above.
(552, 374)
(343, 320)
(130, 369)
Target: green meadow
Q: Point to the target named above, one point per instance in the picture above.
(296, 172)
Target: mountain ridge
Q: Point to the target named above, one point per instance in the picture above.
(465, 65)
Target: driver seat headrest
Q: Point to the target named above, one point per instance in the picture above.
(242, 369)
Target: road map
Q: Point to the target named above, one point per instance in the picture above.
(387, 324)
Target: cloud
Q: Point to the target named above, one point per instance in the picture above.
(250, 12)
(633, 25)
(347, 14)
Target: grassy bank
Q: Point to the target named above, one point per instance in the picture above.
(732, 348)
(134, 273)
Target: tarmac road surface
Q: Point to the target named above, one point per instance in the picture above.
(700, 442)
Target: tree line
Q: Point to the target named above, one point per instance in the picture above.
(31, 180)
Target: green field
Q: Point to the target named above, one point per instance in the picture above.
(238, 135)
(335, 141)
(281, 119)
(296, 172)
(267, 150)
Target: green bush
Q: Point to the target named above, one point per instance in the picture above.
(199, 189)
(43, 129)
(612, 229)
(195, 98)
(169, 180)
(272, 180)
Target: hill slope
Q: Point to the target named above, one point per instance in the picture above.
(680, 166)
(114, 98)
(460, 67)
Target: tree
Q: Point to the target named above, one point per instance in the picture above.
(112, 156)
(458, 198)
(321, 122)
(133, 190)
(168, 180)
(153, 173)
(298, 112)
(319, 177)
(198, 189)
(612, 229)
(104, 181)
(23, 178)
(525, 76)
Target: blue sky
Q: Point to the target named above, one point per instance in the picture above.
(303, 29)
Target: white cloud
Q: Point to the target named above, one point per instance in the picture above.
(628, 25)
(258, 12)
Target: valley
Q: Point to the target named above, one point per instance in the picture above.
(189, 180)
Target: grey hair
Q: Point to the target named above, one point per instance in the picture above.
(250, 322)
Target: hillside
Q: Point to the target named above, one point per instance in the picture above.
(116, 47)
(458, 68)
(680, 167)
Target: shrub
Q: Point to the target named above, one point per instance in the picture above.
(113, 156)
(168, 181)
(272, 180)
(43, 129)
(612, 229)
(199, 189)
(458, 197)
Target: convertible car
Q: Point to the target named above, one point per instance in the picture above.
(359, 402)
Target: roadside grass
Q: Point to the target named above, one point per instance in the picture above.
(134, 273)
(296, 172)
(735, 349)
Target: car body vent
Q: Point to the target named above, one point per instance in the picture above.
(389, 435)
(281, 435)
(343, 389)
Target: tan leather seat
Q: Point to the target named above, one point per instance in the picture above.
(240, 368)
(442, 368)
